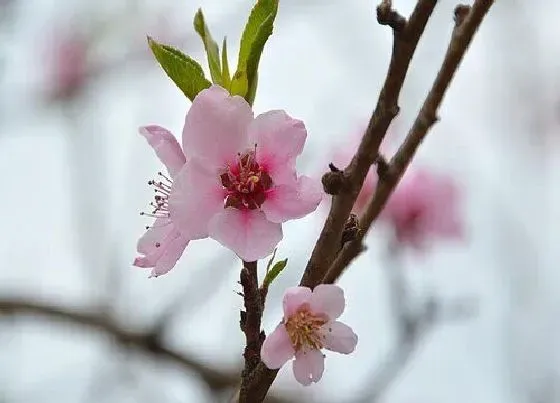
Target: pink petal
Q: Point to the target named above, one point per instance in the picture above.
(166, 146)
(168, 259)
(216, 126)
(328, 299)
(309, 366)
(158, 232)
(277, 348)
(288, 202)
(161, 246)
(246, 232)
(279, 139)
(339, 337)
(294, 297)
(196, 196)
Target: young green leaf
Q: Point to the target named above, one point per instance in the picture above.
(274, 272)
(239, 84)
(211, 47)
(180, 68)
(257, 30)
(271, 260)
(226, 79)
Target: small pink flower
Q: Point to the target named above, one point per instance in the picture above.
(423, 206)
(240, 183)
(162, 244)
(309, 325)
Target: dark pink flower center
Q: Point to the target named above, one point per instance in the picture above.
(303, 328)
(246, 183)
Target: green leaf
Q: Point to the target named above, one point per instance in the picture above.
(239, 84)
(257, 30)
(271, 260)
(274, 272)
(252, 91)
(180, 68)
(225, 66)
(211, 47)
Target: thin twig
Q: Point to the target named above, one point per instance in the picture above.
(404, 46)
(462, 36)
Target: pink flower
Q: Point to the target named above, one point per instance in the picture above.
(162, 244)
(309, 325)
(240, 183)
(423, 206)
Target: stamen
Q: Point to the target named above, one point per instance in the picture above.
(304, 329)
(246, 182)
(162, 190)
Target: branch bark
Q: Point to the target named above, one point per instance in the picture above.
(466, 25)
(250, 325)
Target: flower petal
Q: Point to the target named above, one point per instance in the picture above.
(170, 256)
(309, 366)
(166, 146)
(196, 196)
(161, 246)
(156, 233)
(216, 126)
(339, 337)
(328, 299)
(246, 232)
(277, 348)
(289, 202)
(294, 297)
(279, 139)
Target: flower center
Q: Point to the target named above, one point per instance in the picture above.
(246, 183)
(303, 327)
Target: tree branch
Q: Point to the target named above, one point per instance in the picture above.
(466, 25)
(405, 40)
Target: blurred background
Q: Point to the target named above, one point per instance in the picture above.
(79, 323)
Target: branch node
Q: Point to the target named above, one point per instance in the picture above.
(351, 229)
(334, 181)
(386, 15)
(382, 166)
(460, 13)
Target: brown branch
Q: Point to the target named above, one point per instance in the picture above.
(250, 325)
(404, 45)
(145, 342)
(405, 40)
(465, 28)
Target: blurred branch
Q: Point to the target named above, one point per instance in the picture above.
(411, 326)
(467, 21)
(145, 342)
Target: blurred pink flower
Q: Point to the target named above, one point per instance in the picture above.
(309, 325)
(162, 244)
(424, 206)
(68, 65)
(240, 182)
